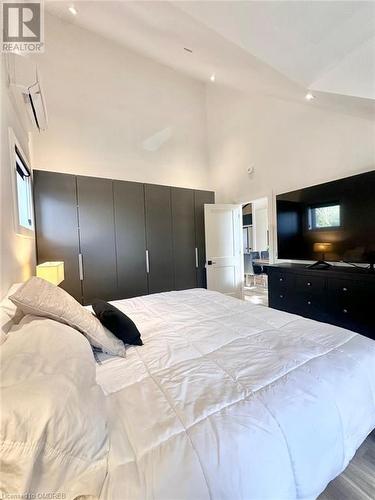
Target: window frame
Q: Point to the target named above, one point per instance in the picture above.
(15, 150)
(311, 218)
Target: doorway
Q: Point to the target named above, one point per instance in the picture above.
(255, 232)
(224, 257)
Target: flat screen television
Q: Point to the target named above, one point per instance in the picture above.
(334, 221)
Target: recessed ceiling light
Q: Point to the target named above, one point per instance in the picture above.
(72, 10)
(213, 77)
(309, 96)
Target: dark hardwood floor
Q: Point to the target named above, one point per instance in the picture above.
(357, 482)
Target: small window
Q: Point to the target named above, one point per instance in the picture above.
(24, 193)
(324, 217)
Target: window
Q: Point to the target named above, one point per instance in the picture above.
(324, 217)
(24, 195)
(22, 190)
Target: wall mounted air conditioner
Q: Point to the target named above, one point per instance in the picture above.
(27, 89)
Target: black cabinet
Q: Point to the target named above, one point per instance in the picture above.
(341, 296)
(120, 239)
(56, 225)
(201, 198)
(159, 238)
(129, 206)
(184, 246)
(97, 238)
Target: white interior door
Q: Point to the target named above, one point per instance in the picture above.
(224, 253)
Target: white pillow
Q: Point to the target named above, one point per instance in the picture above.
(53, 434)
(41, 298)
(9, 313)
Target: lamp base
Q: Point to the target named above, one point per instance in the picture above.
(320, 264)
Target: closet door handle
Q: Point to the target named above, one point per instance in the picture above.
(196, 258)
(147, 263)
(80, 266)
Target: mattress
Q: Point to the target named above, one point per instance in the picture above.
(229, 400)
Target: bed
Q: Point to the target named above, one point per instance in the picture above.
(225, 400)
(229, 400)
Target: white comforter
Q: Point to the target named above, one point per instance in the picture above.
(227, 400)
(53, 431)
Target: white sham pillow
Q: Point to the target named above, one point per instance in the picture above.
(41, 298)
(54, 430)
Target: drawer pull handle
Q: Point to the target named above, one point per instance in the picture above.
(281, 296)
(345, 311)
(308, 283)
(309, 302)
(344, 289)
(147, 262)
(80, 267)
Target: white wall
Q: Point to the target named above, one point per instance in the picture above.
(114, 113)
(291, 145)
(17, 252)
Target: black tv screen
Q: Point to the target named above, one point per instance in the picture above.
(340, 214)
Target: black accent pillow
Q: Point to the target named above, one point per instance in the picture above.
(117, 322)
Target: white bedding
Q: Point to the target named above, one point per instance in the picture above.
(53, 430)
(227, 400)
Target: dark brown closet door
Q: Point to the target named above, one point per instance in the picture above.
(56, 225)
(159, 238)
(184, 238)
(200, 198)
(97, 238)
(129, 205)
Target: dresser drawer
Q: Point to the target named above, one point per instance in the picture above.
(280, 279)
(281, 299)
(354, 308)
(311, 306)
(310, 284)
(352, 318)
(345, 288)
(352, 296)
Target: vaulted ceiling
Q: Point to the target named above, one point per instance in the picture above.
(280, 48)
(323, 45)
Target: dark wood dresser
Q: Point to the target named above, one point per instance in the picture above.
(342, 296)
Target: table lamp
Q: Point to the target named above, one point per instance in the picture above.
(51, 271)
(321, 248)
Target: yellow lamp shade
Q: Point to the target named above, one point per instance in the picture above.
(322, 247)
(51, 271)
